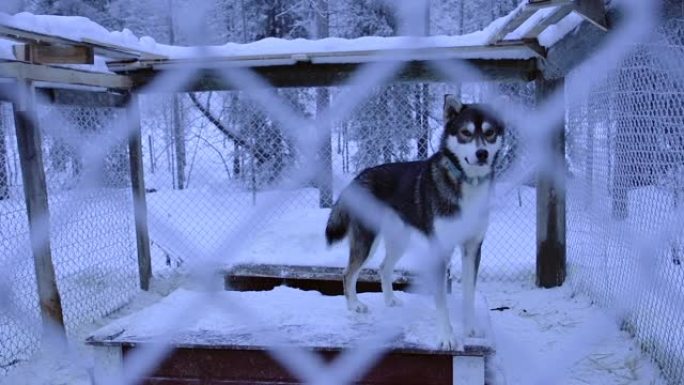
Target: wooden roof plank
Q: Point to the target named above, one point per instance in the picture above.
(514, 50)
(541, 4)
(593, 11)
(516, 21)
(556, 16)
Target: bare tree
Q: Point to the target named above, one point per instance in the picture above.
(178, 127)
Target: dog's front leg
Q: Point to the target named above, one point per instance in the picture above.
(447, 339)
(470, 264)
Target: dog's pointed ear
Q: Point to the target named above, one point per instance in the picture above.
(452, 107)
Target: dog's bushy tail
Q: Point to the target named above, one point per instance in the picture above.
(338, 224)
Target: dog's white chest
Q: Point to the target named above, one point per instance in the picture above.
(472, 220)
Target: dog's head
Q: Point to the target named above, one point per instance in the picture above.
(472, 135)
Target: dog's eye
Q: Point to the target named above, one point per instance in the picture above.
(466, 133)
(489, 134)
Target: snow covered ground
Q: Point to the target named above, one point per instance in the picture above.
(542, 336)
(293, 232)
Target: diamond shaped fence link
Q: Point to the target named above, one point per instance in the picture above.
(253, 159)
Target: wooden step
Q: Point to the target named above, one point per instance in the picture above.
(326, 280)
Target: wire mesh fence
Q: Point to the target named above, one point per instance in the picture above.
(233, 156)
(626, 149)
(19, 337)
(93, 249)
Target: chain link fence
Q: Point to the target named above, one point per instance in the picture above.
(625, 146)
(19, 336)
(93, 250)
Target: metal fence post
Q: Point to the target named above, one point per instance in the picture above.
(138, 186)
(551, 246)
(36, 195)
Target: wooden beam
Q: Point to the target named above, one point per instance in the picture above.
(54, 54)
(521, 15)
(36, 195)
(551, 242)
(306, 74)
(80, 98)
(63, 76)
(593, 11)
(8, 91)
(574, 48)
(139, 201)
(541, 4)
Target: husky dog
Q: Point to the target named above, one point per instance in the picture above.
(444, 197)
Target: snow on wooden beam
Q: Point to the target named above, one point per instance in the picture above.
(557, 15)
(99, 48)
(516, 21)
(54, 54)
(62, 76)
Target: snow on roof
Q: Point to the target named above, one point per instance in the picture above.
(276, 46)
(77, 28)
(80, 29)
(555, 32)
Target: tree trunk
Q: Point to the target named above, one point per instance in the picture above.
(178, 127)
(422, 120)
(179, 143)
(324, 180)
(4, 175)
(422, 100)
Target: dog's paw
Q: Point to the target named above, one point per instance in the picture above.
(447, 341)
(357, 306)
(393, 301)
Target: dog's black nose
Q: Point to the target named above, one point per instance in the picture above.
(482, 155)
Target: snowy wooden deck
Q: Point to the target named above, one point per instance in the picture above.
(217, 342)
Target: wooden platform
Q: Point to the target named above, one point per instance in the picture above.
(215, 347)
(326, 280)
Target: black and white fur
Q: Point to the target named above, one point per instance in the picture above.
(444, 197)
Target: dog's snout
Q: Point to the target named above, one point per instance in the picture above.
(482, 155)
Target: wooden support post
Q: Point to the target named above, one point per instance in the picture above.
(468, 370)
(138, 185)
(551, 246)
(36, 195)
